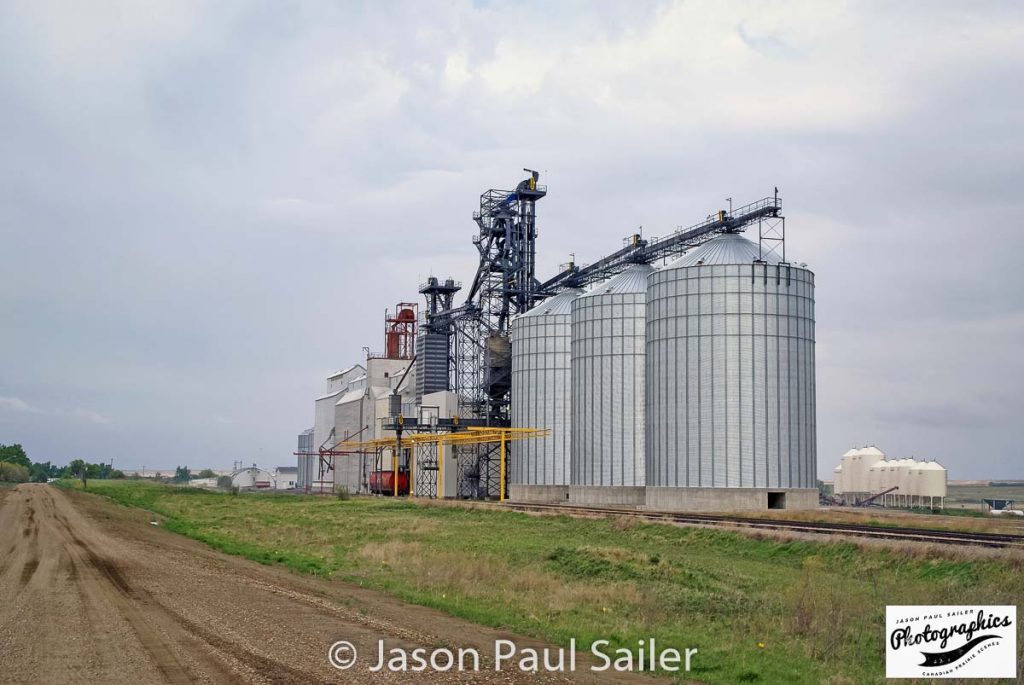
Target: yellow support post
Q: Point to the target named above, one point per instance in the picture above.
(412, 469)
(501, 495)
(440, 469)
(394, 471)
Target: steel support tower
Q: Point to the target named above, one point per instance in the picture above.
(479, 352)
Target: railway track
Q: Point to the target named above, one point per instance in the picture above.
(948, 537)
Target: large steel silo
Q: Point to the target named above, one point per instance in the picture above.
(608, 390)
(730, 381)
(541, 398)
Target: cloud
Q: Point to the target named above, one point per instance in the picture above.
(206, 208)
(91, 416)
(17, 404)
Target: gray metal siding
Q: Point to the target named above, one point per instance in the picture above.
(608, 350)
(730, 377)
(305, 461)
(541, 398)
(431, 363)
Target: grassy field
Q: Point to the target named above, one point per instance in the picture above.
(759, 610)
(955, 519)
(971, 496)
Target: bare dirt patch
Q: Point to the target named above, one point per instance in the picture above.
(166, 609)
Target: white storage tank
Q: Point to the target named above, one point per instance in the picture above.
(866, 458)
(877, 477)
(932, 481)
(903, 467)
(837, 480)
(849, 464)
(892, 479)
(608, 387)
(913, 470)
(731, 375)
(542, 398)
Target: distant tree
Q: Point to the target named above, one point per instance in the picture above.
(40, 472)
(75, 469)
(206, 473)
(13, 473)
(14, 454)
(224, 482)
(181, 474)
(116, 474)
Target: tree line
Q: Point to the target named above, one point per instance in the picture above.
(16, 467)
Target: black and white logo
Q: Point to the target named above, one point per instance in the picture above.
(951, 642)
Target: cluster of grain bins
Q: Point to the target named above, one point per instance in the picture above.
(864, 475)
(689, 387)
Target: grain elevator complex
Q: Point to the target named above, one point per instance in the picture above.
(675, 373)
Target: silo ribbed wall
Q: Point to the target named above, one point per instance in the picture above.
(541, 392)
(608, 382)
(730, 374)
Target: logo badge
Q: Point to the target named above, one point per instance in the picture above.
(951, 642)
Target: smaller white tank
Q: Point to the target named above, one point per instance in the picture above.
(876, 477)
(932, 479)
(866, 458)
(891, 478)
(919, 481)
(849, 466)
(837, 480)
(903, 467)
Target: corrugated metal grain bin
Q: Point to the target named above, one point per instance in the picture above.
(542, 391)
(730, 371)
(608, 381)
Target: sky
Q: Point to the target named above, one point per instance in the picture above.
(206, 207)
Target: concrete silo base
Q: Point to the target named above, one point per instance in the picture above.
(730, 499)
(607, 495)
(556, 494)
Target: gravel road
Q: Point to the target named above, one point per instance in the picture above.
(92, 592)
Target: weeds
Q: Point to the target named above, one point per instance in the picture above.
(768, 608)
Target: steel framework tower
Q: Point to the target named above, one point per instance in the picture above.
(479, 353)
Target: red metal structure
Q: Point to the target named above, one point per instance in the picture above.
(383, 483)
(400, 331)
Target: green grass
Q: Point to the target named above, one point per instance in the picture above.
(969, 496)
(759, 610)
(965, 513)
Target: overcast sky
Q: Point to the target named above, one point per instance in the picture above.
(206, 207)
